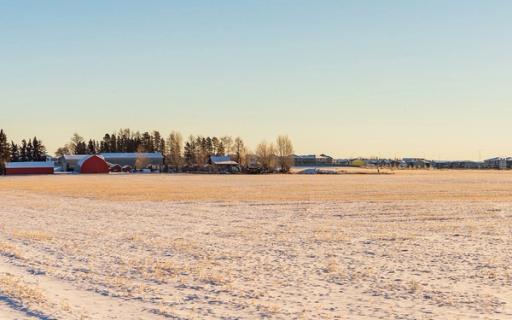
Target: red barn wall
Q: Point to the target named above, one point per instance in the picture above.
(14, 171)
(94, 164)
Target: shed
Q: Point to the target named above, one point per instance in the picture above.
(93, 164)
(223, 164)
(115, 168)
(33, 167)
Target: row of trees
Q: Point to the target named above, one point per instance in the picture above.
(195, 151)
(29, 150)
(123, 141)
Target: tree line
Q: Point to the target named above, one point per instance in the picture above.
(178, 154)
(194, 152)
(28, 150)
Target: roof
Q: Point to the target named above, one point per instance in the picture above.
(29, 164)
(87, 157)
(305, 156)
(131, 155)
(74, 156)
(222, 160)
(230, 162)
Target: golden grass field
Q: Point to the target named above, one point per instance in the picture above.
(407, 245)
(401, 185)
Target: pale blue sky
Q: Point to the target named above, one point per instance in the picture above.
(349, 78)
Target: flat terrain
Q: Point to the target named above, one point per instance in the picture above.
(409, 245)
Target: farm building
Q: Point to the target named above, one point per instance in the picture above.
(39, 167)
(93, 164)
(496, 163)
(69, 162)
(312, 160)
(153, 160)
(342, 162)
(417, 163)
(115, 168)
(304, 160)
(324, 160)
(223, 164)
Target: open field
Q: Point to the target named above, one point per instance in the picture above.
(412, 245)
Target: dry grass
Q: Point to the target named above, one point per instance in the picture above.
(9, 250)
(15, 288)
(404, 185)
(30, 235)
(407, 246)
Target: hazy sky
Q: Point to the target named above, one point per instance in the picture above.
(348, 78)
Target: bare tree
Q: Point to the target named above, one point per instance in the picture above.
(62, 151)
(142, 161)
(239, 150)
(76, 145)
(284, 153)
(227, 142)
(175, 143)
(265, 153)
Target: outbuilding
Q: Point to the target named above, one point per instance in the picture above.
(93, 164)
(223, 164)
(115, 168)
(33, 167)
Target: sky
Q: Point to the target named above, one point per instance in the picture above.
(347, 78)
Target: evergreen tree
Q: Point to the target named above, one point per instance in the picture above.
(91, 147)
(4, 147)
(209, 146)
(81, 148)
(147, 142)
(105, 143)
(4, 151)
(220, 149)
(188, 154)
(15, 152)
(113, 143)
(215, 145)
(39, 151)
(30, 151)
(157, 140)
(23, 150)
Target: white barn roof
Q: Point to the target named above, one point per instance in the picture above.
(131, 155)
(74, 156)
(222, 160)
(29, 164)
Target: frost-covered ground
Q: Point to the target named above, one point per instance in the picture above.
(64, 256)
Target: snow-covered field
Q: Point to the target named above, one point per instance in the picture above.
(413, 245)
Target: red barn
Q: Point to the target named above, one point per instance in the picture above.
(93, 164)
(39, 167)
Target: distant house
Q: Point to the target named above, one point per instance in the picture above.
(342, 162)
(417, 163)
(312, 160)
(223, 164)
(324, 160)
(304, 160)
(496, 163)
(37, 167)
